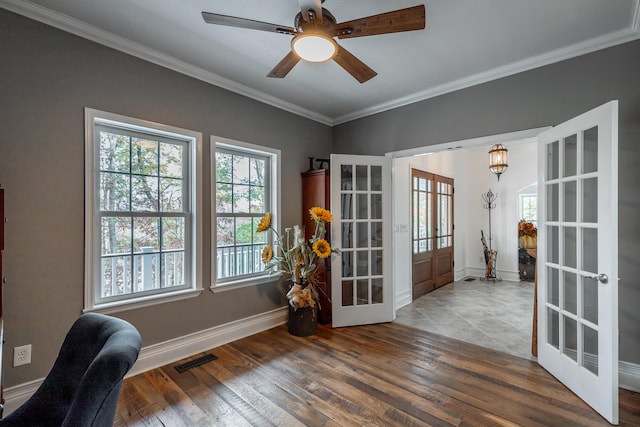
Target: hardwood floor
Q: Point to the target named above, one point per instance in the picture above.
(387, 374)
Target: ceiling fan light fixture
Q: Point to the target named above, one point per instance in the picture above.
(314, 47)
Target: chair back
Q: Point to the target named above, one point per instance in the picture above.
(83, 387)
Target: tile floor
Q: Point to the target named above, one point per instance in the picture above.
(497, 315)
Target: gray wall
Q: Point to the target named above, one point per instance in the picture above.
(545, 96)
(47, 77)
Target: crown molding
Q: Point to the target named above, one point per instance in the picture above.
(79, 28)
(90, 32)
(608, 40)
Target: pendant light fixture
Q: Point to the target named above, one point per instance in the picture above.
(498, 159)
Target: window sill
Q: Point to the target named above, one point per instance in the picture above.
(119, 306)
(237, 284)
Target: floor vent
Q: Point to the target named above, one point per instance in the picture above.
(470, 279)
(195, 362)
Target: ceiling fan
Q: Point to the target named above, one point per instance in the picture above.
(314, 31)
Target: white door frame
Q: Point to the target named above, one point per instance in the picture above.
(401, 249)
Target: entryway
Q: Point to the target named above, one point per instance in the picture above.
(497, 315)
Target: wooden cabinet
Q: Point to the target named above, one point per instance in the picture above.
(316, 192)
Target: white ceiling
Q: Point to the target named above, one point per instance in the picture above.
(466, 42)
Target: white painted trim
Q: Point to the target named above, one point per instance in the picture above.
(402, 299)
(511, 276)
(95, 34)
(582, 48)
(161, 354)
(275, 159)
(82, 29)
(629, 376)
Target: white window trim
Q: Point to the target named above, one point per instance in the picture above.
(91, 248)
(275, 155)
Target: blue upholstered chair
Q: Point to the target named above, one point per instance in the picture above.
(83, 386)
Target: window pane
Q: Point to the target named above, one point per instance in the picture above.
(171, 195)
(241, 199)
(570, 155)
(114, 192)
(114, 152)
(144, 157)
(347, 235)
(224, 231)
(376, 206)
(144, 197)
(590, 152)
(362, 206)
(224, 167)
(570, 247)
(243, 231)
(257, 172)
(171, 158)
(146, 234)
(346, 177)
(224, 197)
(376, 178)
(256, 200)
(553, 160)
(570, 292)
(116, 235)
(241, 168)
(570, 201)
(173, 233)
(362, 178)
(363, 292)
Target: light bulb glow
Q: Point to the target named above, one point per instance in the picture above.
(313, 48)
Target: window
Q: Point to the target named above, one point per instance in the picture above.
(529, 208)
(245, 183)
(142, 221)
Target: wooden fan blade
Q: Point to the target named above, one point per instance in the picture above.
(409, 19)
(284, 66)
(315, 5)
(232, 21)
(352, 65)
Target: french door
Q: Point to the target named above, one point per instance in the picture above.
(361, 287)
(578, 256)
(431, 231)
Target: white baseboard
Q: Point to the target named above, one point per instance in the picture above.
(512, 276)
(629, 376)
(403, 299)
(160, 354)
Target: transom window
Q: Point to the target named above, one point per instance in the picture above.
(141, 208)
(245, 182)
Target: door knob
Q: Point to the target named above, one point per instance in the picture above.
(602, 278)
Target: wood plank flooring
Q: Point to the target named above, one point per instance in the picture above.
(383, 375)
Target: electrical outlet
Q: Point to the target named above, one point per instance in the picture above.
(22, 355)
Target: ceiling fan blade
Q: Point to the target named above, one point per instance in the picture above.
(284, 66)
(232, 21)
(409, 19)
(315, 5)
(352, 65)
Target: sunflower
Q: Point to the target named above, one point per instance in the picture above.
(265, 223)
(322, 248)
(267, 254)
(320, 214)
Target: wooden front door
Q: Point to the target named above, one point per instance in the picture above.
(432, 231)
